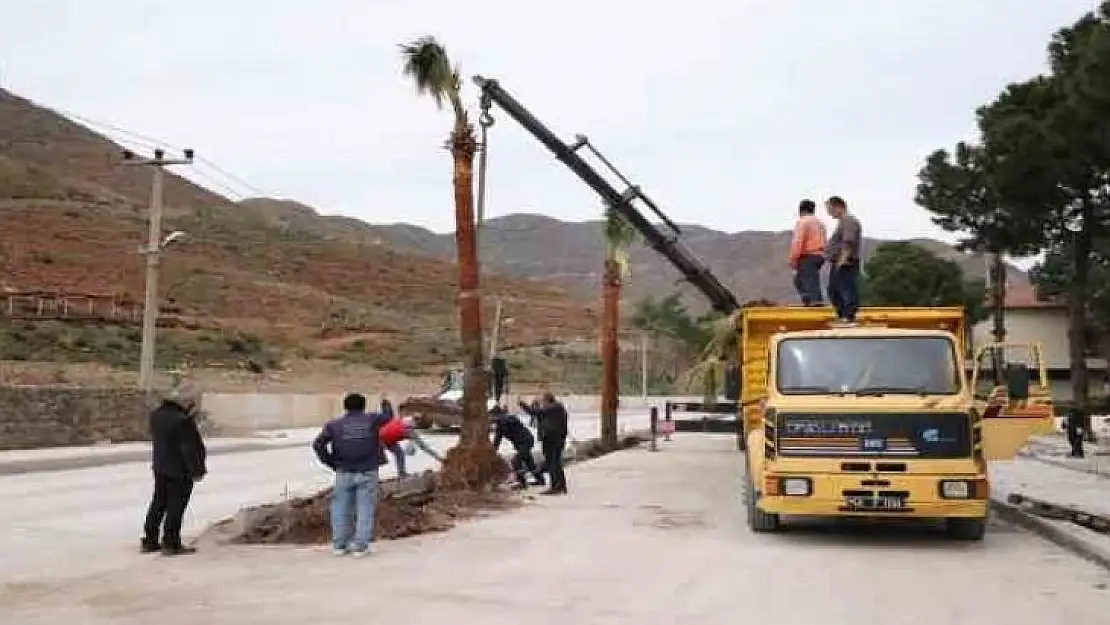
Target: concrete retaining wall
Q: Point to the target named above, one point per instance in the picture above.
(42, 416)
(277, 411)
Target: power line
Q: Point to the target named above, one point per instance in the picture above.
(151, 143)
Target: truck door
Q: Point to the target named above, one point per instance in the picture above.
(1012, 396)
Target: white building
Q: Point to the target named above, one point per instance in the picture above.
(1028, 319)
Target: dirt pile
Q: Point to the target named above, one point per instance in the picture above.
(472, 468)
(418, 505)
(422, 504)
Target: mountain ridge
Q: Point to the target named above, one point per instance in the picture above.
(752, 263)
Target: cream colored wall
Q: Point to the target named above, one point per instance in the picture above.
(1049, 326)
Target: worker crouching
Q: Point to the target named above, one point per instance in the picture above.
(509, 427)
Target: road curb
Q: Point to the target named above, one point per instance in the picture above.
(1050, 531)
(1063, 465)
(46, 465)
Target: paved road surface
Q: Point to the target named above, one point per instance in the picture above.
(643, 539)
(94, 516)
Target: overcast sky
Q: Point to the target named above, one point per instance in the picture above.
(725, 111)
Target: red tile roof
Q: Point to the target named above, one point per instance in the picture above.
(1023, 297)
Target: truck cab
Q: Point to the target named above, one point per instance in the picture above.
(871, 419)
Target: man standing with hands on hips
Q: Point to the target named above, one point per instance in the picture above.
(843, 254)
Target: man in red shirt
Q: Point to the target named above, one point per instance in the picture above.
(807, 254)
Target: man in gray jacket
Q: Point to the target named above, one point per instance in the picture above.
(843, 252)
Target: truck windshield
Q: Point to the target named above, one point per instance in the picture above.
(867, 366)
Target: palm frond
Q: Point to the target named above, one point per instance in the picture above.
(724, 337)
(618, 235)
(617, 231)
(705, 378)
(426, 62)
(619, 256)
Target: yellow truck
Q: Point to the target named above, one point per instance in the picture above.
(877, 418)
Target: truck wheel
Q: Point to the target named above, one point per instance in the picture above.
(422, 422)
(759, 521)
(970, 530)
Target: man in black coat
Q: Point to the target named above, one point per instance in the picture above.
(508, 426)
(500, 369)
(551, 419)
(178, 461)
(1075, 425)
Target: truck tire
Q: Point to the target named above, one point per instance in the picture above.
(970, 530)
(422, 422)
(759, 521)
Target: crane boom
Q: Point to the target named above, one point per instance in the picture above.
(669, 246)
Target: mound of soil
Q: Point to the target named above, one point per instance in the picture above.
(472, 468)
(469, 486)
(418, 505)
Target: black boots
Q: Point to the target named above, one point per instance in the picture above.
(178, 551)
(147, 546)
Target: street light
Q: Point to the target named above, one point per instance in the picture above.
(173, 237)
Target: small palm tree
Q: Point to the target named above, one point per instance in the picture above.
(708, 375)
(618, 235)
(427, 63)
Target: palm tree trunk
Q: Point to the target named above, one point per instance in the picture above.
(475, 426)
(610, 353)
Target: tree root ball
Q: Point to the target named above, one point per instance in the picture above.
(474, 468)
(306, 521)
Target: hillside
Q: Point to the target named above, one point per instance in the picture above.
(532, 246)
(251, 283)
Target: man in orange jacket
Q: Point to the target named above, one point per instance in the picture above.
(807, 254)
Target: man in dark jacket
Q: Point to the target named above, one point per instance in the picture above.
(551, 419)
(508, 426)
(500, 369)
(350, 446)
(178, 461)
(1075, 427)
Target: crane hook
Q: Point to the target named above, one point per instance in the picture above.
(485, 119)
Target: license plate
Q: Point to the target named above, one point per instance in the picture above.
(880, 502)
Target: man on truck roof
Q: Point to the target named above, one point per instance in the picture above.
(843, 254)
(807, 254)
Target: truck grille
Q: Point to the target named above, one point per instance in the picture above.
(899, 435)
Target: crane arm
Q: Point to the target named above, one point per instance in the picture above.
(669, 245)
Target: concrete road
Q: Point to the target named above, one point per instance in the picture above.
(644, 538)
(87, 520)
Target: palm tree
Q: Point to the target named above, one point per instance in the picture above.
(426, 62)
(618, 235)
(723, 345)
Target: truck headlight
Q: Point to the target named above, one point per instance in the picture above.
(955, 489)
(795, 486)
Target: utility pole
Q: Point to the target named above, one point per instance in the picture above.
(496, 330)
(153, 252)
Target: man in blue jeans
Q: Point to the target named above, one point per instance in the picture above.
(843, 254)
(349, 445)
